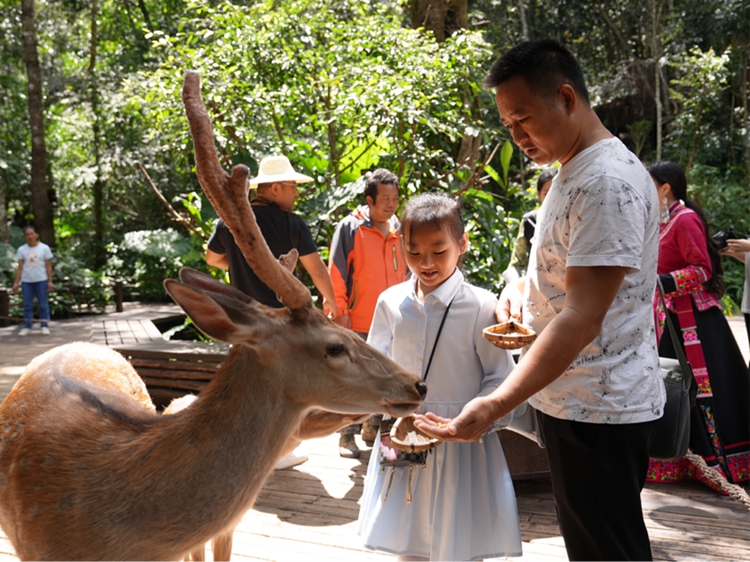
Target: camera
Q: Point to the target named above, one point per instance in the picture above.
(722, 236)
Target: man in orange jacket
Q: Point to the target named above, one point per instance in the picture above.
(365, 259)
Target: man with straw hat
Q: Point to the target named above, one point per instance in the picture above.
(276, 185)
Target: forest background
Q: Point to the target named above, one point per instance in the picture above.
(95, 149)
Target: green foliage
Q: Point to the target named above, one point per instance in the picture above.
(725, 200)
(8, 264)
(346, 90)
(491, 238)
(342, 86)
(698, 90)
(148, 257)
(639, 132)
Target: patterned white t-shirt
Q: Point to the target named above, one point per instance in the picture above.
(34, 262)
(602, 210)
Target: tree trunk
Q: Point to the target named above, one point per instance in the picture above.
(524, 23)
(100, 258)
(656, 54)
(746, 106)
(442, 17)
(4, 230)
(40, 204)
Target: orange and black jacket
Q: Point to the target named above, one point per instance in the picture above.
(363, 263)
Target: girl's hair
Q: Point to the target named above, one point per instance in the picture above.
(435, 210)
(674, 175)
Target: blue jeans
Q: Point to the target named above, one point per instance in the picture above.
(29, 291)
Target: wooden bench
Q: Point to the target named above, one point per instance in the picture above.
(172, 369)
(524, 457)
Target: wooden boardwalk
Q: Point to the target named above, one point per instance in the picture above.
(310, 512)
(128, 331)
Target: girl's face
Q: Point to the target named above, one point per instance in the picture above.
(432, 255)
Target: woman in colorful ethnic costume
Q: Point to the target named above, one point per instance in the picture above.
(690, 272)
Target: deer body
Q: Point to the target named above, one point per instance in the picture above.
(89, 470)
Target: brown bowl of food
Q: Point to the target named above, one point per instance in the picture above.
(509, 335)
(407, 437)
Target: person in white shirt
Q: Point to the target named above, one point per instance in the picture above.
(34, 276)
(460, 505)
(593, 371)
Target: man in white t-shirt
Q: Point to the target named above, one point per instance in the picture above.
(593, 372)
(34, 275)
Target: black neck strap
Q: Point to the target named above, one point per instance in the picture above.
(434, 346)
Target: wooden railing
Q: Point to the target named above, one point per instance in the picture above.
(74, 294)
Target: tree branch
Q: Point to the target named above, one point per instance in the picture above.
(177, 216)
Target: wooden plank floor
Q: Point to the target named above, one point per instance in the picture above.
(309, 513)
(127, 331)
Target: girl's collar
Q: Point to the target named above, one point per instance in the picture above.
(445, 292)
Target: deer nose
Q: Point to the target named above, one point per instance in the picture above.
(422, 389)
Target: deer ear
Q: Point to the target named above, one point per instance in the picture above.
(217, 315)
(204, 282)
(289, 260)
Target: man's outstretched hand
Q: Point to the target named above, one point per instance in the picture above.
(469, 426)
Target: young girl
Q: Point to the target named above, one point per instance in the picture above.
(463, 506)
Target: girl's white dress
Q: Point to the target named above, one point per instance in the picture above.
(463, 505)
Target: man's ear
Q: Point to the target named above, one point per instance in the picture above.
(569, 98)
(370, 201)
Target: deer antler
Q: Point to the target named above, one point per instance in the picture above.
(228, 195)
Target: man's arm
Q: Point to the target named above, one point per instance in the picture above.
(338, 261)
(217, 260)
(589, 294)
(322, 281)
(17, 281)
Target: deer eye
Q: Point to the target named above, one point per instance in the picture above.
(335, 349)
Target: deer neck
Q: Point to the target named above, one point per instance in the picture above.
(221, 449)
(244, 409)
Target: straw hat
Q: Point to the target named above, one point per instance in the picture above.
(276, 169)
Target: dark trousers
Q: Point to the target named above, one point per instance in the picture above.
(598, 472)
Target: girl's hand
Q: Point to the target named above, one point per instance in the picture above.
(510, 303)
(469, 426)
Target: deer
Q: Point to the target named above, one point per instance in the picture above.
(88, 469)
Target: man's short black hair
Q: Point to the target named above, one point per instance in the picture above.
(544, 64)
(381, 175)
